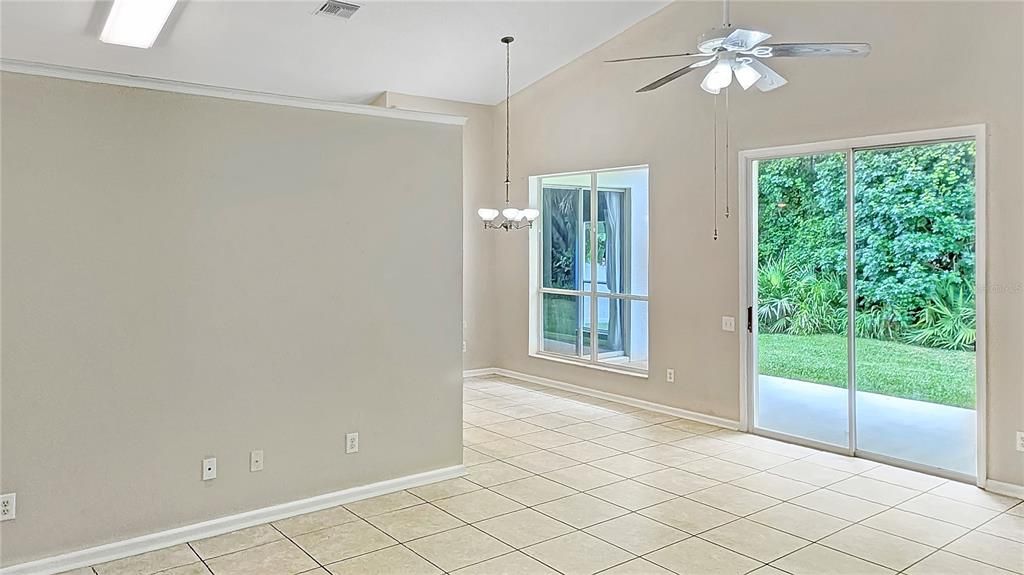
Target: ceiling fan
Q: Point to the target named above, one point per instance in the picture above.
(739, 52)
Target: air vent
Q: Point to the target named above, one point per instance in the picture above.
(336, 9)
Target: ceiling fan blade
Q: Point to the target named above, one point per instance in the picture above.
(652, 57)
(770, 79)
(811, 49)
(741, 39)
(675, 75)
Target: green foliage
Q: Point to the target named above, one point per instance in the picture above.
(948, 320)
(914, 232)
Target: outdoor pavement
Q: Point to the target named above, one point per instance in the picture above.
(917, 431)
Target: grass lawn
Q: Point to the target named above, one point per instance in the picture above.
(886, 367)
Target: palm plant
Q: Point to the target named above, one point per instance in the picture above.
(948, 321)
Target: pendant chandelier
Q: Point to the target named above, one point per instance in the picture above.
(511, 218)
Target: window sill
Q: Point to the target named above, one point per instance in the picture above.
(588, 365)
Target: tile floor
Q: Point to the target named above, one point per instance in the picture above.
(564, 483)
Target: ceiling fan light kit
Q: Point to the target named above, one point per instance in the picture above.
(738, 52)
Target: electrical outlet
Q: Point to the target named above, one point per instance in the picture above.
(209, 468)
(728, 323)
(1020, 441)
(352, 443)
(256, 460)
(8, 506)
(670, 375)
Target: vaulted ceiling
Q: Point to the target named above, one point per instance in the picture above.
(439, 49)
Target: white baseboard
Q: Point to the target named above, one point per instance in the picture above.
(643, 404)
(1003, 488)
(219, 526)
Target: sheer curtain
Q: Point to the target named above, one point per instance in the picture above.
(611, 206)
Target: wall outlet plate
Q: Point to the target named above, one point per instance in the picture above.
(1020, 441)
(8, 506)
(256, 460)
(728, 323)
(352, 442)
(209, 468)
(670, 375)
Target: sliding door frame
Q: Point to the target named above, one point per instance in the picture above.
(748, 218)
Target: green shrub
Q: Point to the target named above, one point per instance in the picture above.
(948, 319)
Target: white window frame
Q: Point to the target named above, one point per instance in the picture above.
(537, 290)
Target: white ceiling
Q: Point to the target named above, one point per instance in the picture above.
(440, 49)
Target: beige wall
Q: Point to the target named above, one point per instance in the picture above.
(188, 276)
(586, 115)
(480, 188)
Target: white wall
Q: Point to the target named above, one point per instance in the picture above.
(187, 276)
(916, 78)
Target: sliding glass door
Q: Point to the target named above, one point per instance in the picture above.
(864, 323)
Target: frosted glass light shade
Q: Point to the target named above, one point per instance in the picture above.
(530, 214)
(510, 213)
(719, 77)
(746, 75)
(487, 214)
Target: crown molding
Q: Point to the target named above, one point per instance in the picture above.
(146, 82)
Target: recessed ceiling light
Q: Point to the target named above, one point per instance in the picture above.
(136, 23)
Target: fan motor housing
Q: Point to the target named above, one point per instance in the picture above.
(711, 41)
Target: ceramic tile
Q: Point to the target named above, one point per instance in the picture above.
(547, 439)
(414, 522)
(904, 477)
(343, 541)
(689, 516)
(495, 473)
(874, 490)
(915, 527)
(810, 473)
(975, 496)
(578, 554)
(839, 505)
(945, 563)
(443, 489)
(475, 435)
(451, 550)
(706, 445)
(510, 564)
(714, 468)
(692, 426)
(581, 510)
(818, 560)
(317, 520)
(235, 541)
(277, 558)
(391, 561)
(636, 533)
(1002, 553)
(514, 428)
(637, 567)
(541, 461)
(533, 490)
(668, 455)
(806, 523)
(478, 505)
(584, 451)
(735, 500)
(775, 485)
(471, 457)
(631, 494)
(676, 481)
(505, 448)
(878, 547)
(383, 504)
(1006, 526)
(841, 462)
(661, 433)
(148, 563)
(754, 458)
(523, 528)
(754, 540)
(552, 420)
(587, 430)
(963, 514)
(624, 442)
(583, 477)
(627, 465)
(695, 555)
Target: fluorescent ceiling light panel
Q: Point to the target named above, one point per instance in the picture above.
(136, 23)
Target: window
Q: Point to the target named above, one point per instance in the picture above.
(591, 267)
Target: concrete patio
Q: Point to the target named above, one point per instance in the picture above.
(917, 431)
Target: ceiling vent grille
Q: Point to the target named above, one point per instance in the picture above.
(336, 9)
